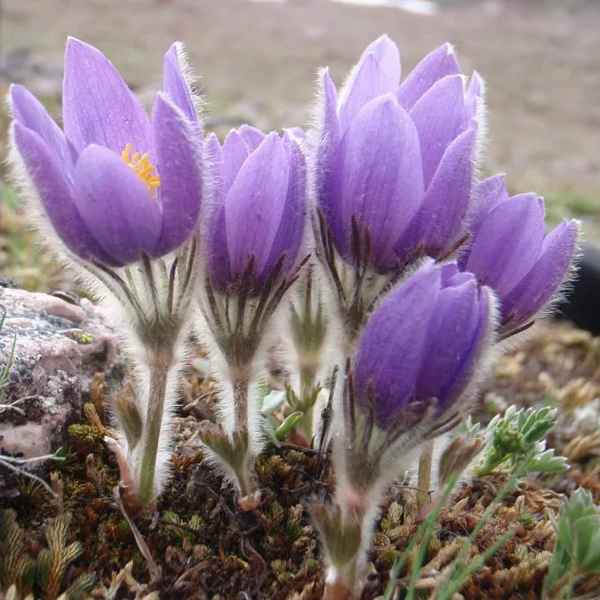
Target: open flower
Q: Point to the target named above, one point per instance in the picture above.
(260, 207)
(115, 184)
(422, 346)
(510, 253)
(395, 161)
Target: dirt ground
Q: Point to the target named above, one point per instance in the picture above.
(541, 60)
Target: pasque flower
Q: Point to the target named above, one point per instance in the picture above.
(260, 207)
(510, 253)
(422, 347)
(115, 184)
(393, 161)
(412, 376)
(123, 193)
(255, 246)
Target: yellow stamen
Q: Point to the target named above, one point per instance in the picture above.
(143, 168)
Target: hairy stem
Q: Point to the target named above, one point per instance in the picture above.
(159, 373)
(424, 476)
(241, 381)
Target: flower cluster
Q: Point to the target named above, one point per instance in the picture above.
(367, 247)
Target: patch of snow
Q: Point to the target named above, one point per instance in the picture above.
(418, 7)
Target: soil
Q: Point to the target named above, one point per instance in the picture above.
(204, 547)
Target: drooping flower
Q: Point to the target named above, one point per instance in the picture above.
(510, 253)
(422, 347)
(260, 207)
(397, 159)
(115, 184)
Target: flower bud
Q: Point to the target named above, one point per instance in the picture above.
(510, 254)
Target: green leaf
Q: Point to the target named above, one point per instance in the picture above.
(272, 401)
(288, 424)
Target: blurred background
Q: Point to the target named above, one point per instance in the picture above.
(256, 61)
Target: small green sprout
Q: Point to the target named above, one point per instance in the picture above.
(577, 550)
(515, 435)
(276, 432)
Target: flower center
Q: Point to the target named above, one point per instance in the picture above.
(143, 168)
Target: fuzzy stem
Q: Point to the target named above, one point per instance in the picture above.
(336, 588)
(241, 381)
(424, 477)
(159, 373)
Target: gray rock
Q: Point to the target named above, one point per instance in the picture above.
(58, 346)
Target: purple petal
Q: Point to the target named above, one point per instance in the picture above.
(543, 280)
(447, 199)
(296, 133)
(252, 137)
(508, 243)
(291, 230)
(379, 176)
(436, 65)
(98, 107)
(213, 157)
(377, 73)
(179, 164)
(175, 83)
(474, 98)
(487, 195)
(390, 352)
(455, 339)
(55, 194)
(218, 253)
(438, 116)
(235, 153)
(116, 205)
(30, 113)
(327, 146)
(254, 205)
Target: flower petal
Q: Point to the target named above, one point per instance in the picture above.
(390, 352)
(487, 195)
(28, 111)
(438, 116)
(291, 229)
(179, 165)
(436, 65)
(235, 153)
(539, 285)
(213, 156)
(474, 98)
(379, 176)
(457, 335)
(447, 199)
(175, 81)
(376, 73)
(324, 162)
(508, 243)
(252, 137)
(115, 205)
(55, 194)
(98, 107)
(254, 205)
(218, 253)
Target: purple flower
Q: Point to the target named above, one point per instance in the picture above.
(260, 206)
(421, 348)
(510, 253)
(398, 158)
(115, 184)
